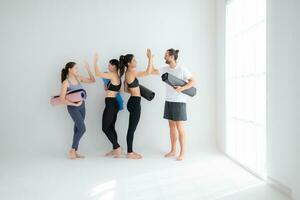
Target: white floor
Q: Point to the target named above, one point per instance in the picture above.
(53, 177)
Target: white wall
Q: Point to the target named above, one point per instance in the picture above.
(38, 37)
(220, 72)
(283, 93)
(296, 184)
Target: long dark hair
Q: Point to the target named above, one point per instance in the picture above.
(123, 62)
(65, 70)
(115, 63)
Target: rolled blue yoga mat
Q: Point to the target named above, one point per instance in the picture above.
(119, 98)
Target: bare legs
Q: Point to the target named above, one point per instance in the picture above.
(173, 138)
(181, 133)
(176, 126)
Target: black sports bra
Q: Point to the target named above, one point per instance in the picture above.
(113, 87)
(133, 84)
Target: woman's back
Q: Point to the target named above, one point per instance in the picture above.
(132, 84)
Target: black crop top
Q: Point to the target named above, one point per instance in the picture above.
(133, 84)
(113, 87)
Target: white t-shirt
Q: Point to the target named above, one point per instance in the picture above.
(181, 73)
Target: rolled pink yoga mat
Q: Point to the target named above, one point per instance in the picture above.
(73, 96)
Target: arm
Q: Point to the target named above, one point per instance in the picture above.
(154, 71)
(126, 87)
(91, 78)
(191, 83)
(150, 63)
(63, 93)
(98, 73)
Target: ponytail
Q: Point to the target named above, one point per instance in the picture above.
(123, 62)
(63, 74)
(65, 70)
(121, 65)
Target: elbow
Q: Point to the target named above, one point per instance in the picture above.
(194, 82)
(191, 82)
(148, 72)
(62, 99)
(155, 72)
(97, 74)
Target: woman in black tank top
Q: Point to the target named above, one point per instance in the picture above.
(134, 103)
(111, 109)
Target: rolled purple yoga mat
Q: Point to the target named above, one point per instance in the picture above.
(73, 96)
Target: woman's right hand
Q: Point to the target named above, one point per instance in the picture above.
(78, 104)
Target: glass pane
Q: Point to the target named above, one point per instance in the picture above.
(246, 82)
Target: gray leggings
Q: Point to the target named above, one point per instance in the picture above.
(77, 115)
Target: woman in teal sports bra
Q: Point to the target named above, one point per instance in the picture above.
(71, 80)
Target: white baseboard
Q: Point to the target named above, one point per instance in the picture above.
(280, 187)
(269, 180)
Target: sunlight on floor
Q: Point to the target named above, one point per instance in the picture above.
(208, 181)
(205, 177)
(104, 190)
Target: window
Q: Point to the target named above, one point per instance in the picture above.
(246, 83)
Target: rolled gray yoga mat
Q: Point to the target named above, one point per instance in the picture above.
(174, 81)
(146, 93)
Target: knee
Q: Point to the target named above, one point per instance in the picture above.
(82, 129)
(172, 125)
(104, 128)
(180, 127)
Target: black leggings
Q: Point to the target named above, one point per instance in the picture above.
(78, 115)
(109, 119)
(134, 108)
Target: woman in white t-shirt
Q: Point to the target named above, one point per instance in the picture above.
(175, 103)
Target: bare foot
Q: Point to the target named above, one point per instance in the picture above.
(139, 155)
(79, 156)
(72, 154)
(109, 153)
(170, 154)
(116, 153)
(180, 157)
(134, 155)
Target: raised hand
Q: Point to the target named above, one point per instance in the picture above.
(149, 53)
(96, 58)
(86, 65)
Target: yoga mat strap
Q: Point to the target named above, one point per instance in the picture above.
(173, 81)
(82, 91)
(72, 95)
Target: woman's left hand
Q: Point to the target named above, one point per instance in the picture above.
(149, 53)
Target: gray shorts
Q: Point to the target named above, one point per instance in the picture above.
(175, 111)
